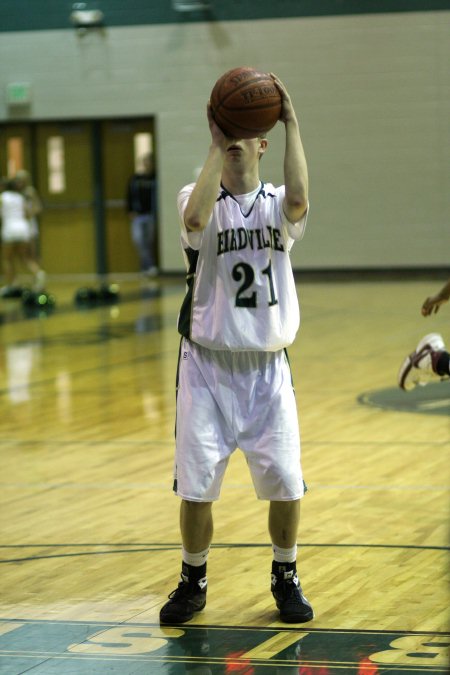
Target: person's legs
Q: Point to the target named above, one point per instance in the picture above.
(9, 270)
(25, 254)
(149, 243)
(270, 439)
(203, 446)
(140, 236)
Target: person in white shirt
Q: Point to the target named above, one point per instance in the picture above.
(16, 235)
(234, 384)
(34, 208)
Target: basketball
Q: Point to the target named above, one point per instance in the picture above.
(245, 103)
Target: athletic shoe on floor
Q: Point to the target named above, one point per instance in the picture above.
(184, 601)
(293, 606)
(419, 368)
(11, 292)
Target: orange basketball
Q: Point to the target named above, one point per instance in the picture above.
(245, 103)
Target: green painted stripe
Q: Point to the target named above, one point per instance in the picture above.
(26, 15)
(170, 547)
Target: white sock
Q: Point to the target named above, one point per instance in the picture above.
(284, 555)
(194, 559)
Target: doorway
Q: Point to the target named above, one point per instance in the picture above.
(81, 171)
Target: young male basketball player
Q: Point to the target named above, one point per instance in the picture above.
(234, 386)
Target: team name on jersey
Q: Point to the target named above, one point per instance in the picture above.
(240, 238)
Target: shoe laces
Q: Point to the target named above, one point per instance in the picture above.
(180, 591)
(184, 590)
(289, 586)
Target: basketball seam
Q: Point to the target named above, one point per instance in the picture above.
(239, 126)
(242, 85)
(262, 106)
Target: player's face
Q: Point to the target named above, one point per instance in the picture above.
(245, 150)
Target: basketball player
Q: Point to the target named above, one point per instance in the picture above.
(234, 386)
(430, 360)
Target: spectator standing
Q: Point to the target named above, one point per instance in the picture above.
(141, 207)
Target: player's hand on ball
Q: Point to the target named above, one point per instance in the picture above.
(287, 109)
(217, 134)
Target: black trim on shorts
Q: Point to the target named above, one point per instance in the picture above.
(289, 364)
(305, 487)
(177, 380)
(185, 317)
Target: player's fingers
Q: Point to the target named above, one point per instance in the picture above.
(278, 83)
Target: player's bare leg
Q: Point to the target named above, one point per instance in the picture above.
(284, 518)
(9, 270)
(196, 525)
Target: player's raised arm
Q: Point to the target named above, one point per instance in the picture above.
(201, 202)
(295, 166)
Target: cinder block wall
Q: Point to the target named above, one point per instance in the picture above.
(372, 94)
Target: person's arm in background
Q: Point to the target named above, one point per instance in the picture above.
(432, 304)
(34, 201)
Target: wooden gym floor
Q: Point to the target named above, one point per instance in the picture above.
(89, 526)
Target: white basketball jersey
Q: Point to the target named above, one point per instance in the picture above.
(241, 292)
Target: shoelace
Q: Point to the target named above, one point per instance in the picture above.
(288, 588)
(183, 589)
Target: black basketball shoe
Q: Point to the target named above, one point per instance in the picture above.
(286, 589)
(189, 597)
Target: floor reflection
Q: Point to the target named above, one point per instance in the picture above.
(19, 361)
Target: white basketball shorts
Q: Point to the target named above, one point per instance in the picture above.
(228, 400)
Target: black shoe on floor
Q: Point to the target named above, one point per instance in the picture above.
(286, 589)
(184, 601)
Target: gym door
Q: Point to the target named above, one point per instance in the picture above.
(81, 171)
(64, 179)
